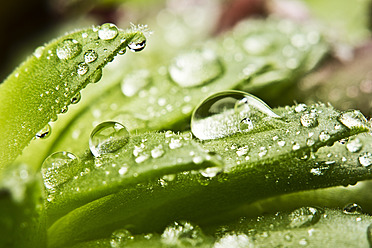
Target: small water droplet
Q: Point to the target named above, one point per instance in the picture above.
(120, 238)
(138, 43)
(157, 152)
(242, 151)
(288, 237)
(90, 56)
(324, 136)
(82, 69)
(108, 137)
(303, 242)
(300, 107)
(123, 170)
(281, 143)
(296, 146)
(304, 216)
(353, 208)
(365, 159)
(175, 143)
(234, 240)
(107, 31)
(354, 119)
(39, 51)
(76, 98)
(354, 145)
(195, 68)
(44, 133)
(68, 49)
(220, 114)
(210, 172)
(96, 76)
(58, 168)
(245, 125)
(181, 234)
(122, 51)
(134, 82)
(309, 120)
(263, 151)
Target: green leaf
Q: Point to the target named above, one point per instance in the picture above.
(47, 82)
(251, 173)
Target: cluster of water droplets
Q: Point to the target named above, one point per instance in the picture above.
(182, 233)
(229, 112)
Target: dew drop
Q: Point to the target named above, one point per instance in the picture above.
(210, 172)
(157, 152)
(182, 234)
(107, 31)
(195, 68)
(58, 168)
(281, 143)
(39, 51)
(304, 216)
(296, 147)
(96, 76)
(256, 44)
(353, 208)
(245, 125)
(134, 82)
(309, 120)
(108, 137)
(76, 98)
(324, 136)
(310, 142)
(44, 133)
(300, 107)
(90, 56)
(122, 51)
(365, 159)
(220, 114)
(82, 69)
(242, 151)
(234, 240)
(354, 145)
(120, 238)
(138, 43)
(68, 49)
(354, 119)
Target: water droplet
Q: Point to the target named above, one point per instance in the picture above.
(263, 151)
(96, 76)
(369, 235)
(256, 44)
(182, 234)
(296, 147)
(195, 68)
(234, 240)
(44, 133)
(245, 125)
(300, 107)
(107, 31)
(353, 208)
(310, 142)
(354, 145)
(281, 143)
(309, 120)
(58, 168)
(157, 152)
(241, 151)
(108, 137)
(354, 119)
(303, 242)
(76, 98)
(210, 172)
(120, 238)
(123, 170)
(68, 49)
(134, 82)
(304, 216)
(324, 136)
(82, 69)
(365, 159)
(39, 51)
(122, 51)
(220, 114)
(288, 237)
(90, 56)
(138, 43)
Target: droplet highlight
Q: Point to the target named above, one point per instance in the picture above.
(138, 43)
(107, 31)
(195, 68)
(309, 119)
(108, 137)
(44, 133)
(221, 114)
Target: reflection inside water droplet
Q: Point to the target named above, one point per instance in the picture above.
(229, 112)
(90, 56)
(305, 216)
(353, 208)
(82, 69)
(138, 43)
(44, 133)
(108, 137)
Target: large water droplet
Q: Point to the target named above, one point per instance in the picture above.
(68, 49)
(309, 120)
(58, 168)
(138, 43)
(354, 119)
(181, 234)
(353, 208)
(90, 56)
(107, 31)
(120, 238)
(354, 145)
(134, 82)
(305, 216)
(221, 114)
(44, 133)
(195, 68)
(365, 159)
(108, 137)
